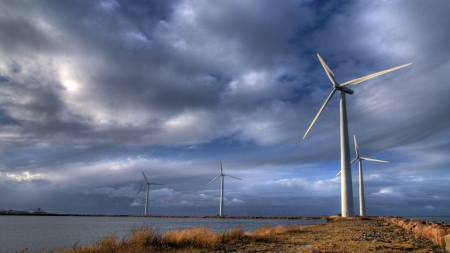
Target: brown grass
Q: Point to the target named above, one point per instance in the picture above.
(294, 229)
(199, 237)
(263, 233)
(147, 239)
(233, 236)
(143, 239)
(268, 232)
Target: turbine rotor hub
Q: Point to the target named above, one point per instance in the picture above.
(346, 90)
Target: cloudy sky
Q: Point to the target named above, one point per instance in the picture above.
(94, 92)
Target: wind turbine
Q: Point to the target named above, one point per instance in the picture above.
(146, 196)
(347, 208)
(362, 203)
(221, 186)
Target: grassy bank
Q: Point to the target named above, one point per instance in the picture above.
(148, 239)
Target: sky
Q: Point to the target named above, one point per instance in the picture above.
(93, 93)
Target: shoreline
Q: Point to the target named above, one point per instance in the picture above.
(288, 217)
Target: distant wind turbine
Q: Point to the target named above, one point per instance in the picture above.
(362, 203)
(146, 196)
(347, 207)
(221, 186)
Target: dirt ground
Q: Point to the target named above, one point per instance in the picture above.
(341, 236)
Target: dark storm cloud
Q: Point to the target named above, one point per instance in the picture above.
(94, 92)
(157, 71)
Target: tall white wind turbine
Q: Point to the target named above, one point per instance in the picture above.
(146, 196)
(347, 208)
(362, 203)
(221, 175)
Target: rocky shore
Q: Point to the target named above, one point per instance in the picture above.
(438, 233)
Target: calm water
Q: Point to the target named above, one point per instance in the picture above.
(55, 232)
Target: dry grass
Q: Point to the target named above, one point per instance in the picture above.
(147, 239)
(143, 236)
(294, 229)
(268, 232)
(234, 236)
(199, 237)
(143, 239)
(264, 233)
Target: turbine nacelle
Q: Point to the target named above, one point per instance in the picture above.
(337, 86)
(346, 90)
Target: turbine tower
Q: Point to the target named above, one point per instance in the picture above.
(347, 208)
(362, 203)
(221, 175)
(146, 196)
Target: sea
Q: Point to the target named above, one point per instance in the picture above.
(38, 233)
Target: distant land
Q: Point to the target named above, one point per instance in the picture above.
(40, 212)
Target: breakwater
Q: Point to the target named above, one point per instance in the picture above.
(437, 232)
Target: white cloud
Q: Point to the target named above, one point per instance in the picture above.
(299, 187)
(429, 207)
(138, 202)
(234, 201)
(24, 176)
(388, 192)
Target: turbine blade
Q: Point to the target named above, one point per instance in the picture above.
(320, 111)
(356, 146)
(356, 158)
(141, 189)
(220, 162)
(327, 70)
(373, 160)
(213, 179)
(144, 176)
(338, 173)
(232, 177)
(156, 184)
(365, 78)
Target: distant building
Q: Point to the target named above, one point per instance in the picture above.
(39, 211)
(31, 211)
